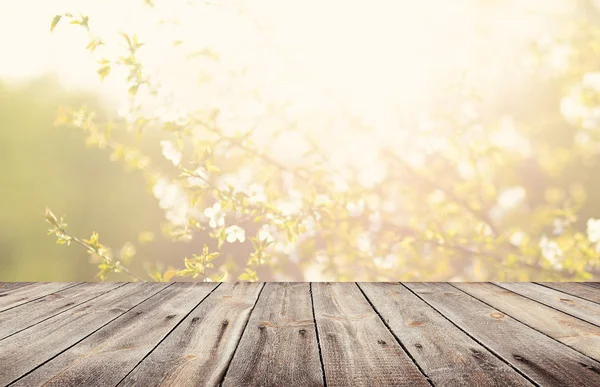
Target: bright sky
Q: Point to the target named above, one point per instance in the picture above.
(393, 34)
(28, 47)
(377, 55)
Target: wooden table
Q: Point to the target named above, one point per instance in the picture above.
(299, 334)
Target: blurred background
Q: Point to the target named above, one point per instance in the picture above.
(46, 166)
(525, 55)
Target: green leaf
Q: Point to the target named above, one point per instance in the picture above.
(103, 72)
(50, 217)
(248, 275)
(212, 168)
(217, 277)
(126, 37)
(136, 42)
(133, 89)
(55, 21)
(105, 268)
(83, 22)
(93, 44)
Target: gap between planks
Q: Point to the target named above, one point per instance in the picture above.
(540, 300)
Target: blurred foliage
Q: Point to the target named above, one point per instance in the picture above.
(43, 165)
(497, 181)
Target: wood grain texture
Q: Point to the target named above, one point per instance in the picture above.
(575, 333)
(297, 334)
(31, 313)
(357, 348)
(446, 354)
(24, 351)
(105, 357)
(542, 359)
(21, 295)
(575, 306)
(575, 289)
(282, 318)
(6, 286)
(199, 350)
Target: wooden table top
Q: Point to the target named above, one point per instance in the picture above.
(299, 334)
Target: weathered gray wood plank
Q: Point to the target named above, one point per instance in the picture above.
(198, 351)
(446, 354)
(24, 351)
(21, 295)
(279, 346)
(31, 313)
(577, 289)
(88, 334)
(357, 348)
(6, 286)
(105, 357)
(571, 331)
(575, 306)
(542, 359)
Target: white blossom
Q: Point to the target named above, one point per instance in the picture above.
(559, 226)
(235, 233)
(593, 230)
(356, 208)
(465, 170)
(511, 197)
(317, 270)
(486, 230)
(264, 234)
(517, 238)
(592, 81)
(175, 115)
(199, 178)
(256, 194)
(216, 215)
(551, 251)
(363, 243)
(284, 246)
(173, 199)
(310, 226)
(386, 262)
(291, 205)
(171, 153)
(575, 110)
